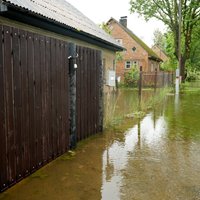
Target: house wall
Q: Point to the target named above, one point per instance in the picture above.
(107, 55)
(153, 65)
(140, 55)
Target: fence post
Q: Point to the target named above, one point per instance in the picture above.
(72, 94)
(155, 80)
(140, 84)
(168, 84)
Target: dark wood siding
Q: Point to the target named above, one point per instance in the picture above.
(34, 103)
(88, 88)
(34, 106)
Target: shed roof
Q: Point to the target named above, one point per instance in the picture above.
(64, 14)
(152, 54)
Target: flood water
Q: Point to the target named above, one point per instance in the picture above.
(153, 158)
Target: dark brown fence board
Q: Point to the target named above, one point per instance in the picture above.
(57, 94)
(38, 103)
(78, 89)
(66, 99)
(17, 102)
(3, 153)
(31, 97)
(34, 103)
(9, 104)
(83, 101)
(48, 98)
(62, 93)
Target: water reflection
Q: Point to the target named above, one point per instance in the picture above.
(116, 157)
(159, 157)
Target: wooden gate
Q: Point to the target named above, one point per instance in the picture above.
(34, 101)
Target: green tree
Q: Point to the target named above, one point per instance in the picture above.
(167, 12)
(159, 39)
(105, 27)
(194, 61)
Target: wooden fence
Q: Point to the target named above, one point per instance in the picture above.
(34, 103)
(156, 79)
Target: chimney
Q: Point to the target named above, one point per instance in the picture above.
(123, 21)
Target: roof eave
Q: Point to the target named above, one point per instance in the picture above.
(39, 21)
(155, 59)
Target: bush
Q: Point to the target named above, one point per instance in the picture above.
(131, 77)
(192, 75)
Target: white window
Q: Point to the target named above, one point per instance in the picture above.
(128, 64)
(135, 63)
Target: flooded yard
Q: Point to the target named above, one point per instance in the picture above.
(152, 158)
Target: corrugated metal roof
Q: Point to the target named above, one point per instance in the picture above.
(64, 13)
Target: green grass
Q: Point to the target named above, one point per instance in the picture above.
(137, 109)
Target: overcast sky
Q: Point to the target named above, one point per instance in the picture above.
(102, 10)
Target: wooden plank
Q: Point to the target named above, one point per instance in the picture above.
(61, 97)
(3, 169)
(85, 92)
(57, 95)
(11, 159)
(48, 99)
(98, 87)
(66, 99)
(25, 108)
(17, 102)
(43, 98)
(53, 96)
(95, 93)
(82, 66)
(24, 96)
(78, 96)
(38, 101)
(88, 93)
(31, 101)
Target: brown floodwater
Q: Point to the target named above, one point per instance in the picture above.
(153, 158)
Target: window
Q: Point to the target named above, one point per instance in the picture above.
(134, 49)
(133, 63)
(128, 64)
(119, 41)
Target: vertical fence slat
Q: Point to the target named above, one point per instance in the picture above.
(48, 97)
(82, 92)
(38, 103)
(78, 93)
(9, 104)
(31, 99)
(66, 99)
(24, 92)
(61, 98)
(17, 102)
(3, 152)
